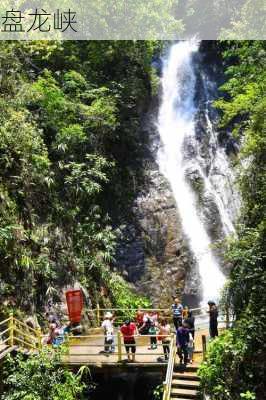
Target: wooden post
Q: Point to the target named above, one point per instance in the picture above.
(11, 330)
(119, 347)
(39, 338)
(98, 314)
(204, 346)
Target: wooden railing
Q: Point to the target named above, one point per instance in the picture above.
(170, 368)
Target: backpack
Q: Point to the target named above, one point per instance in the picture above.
(109, 336)
(152, 330)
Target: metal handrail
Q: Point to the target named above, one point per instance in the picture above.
(29, 339)
(5, 321)
(26, 335)
(76, 341)
(98, 313)
(137, 309)
(169, 372)
(17, 321)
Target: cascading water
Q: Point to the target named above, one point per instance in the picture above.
(176, 126)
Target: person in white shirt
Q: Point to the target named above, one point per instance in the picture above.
(108, 328)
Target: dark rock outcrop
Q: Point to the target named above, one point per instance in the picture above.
(153, 252)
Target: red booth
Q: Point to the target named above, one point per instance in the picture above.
(74, 300)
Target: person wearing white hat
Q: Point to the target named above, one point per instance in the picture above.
(108, 328)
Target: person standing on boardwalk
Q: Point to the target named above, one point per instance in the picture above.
(177, 310)
(139, 318)
(185, 312)
(153, 330)
(190, 321)
(213, 313)
(164, 336)
(129, 330)
(108, 328)
(182, 341)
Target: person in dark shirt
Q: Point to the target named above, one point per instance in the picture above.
(182, 340)
(213, 313)
(190, 321)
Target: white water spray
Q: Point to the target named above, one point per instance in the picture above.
(175, 125)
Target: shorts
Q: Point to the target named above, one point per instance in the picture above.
(130, 346)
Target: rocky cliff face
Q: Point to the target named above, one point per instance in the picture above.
(153, 252)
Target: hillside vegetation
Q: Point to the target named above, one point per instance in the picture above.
(69, 155)
(236, 361)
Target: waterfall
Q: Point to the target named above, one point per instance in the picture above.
(176, 127)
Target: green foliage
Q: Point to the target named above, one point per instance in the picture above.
(68, 155)
(235, 367)
(246, 83)
(248, 395)
(227, 371)
(158, 392)
(124, 298)
(39, 378)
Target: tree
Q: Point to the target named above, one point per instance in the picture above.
(40, 377)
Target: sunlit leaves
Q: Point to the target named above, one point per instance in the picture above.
(47, 379)
(235, 365)
(68, 154)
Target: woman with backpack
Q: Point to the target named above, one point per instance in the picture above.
(149, 328)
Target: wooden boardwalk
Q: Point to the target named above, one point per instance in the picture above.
(89, 351)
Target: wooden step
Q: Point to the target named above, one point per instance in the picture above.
(185, 383)
(179, 398)
(186, 375)
(184, 393)
(189, 368)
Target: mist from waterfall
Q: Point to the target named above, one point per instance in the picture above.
(176, 126)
